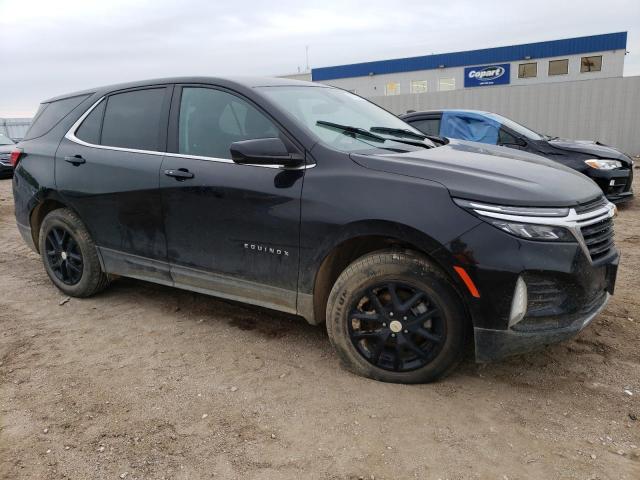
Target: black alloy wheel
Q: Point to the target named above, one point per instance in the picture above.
(395, 326)
(64, 255)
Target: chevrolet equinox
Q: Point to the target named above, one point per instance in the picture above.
(308, 199)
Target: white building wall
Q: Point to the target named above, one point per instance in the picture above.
(374, 85)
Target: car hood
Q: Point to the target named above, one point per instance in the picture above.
(488, 173)
(589, 147)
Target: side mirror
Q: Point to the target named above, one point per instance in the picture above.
(264, 151)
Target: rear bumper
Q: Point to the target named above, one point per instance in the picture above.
(494, 345)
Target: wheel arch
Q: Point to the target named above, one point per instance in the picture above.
(355, 241)
(47, 203)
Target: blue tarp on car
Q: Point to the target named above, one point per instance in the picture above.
(471, 126)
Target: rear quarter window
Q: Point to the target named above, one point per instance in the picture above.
(50, 114)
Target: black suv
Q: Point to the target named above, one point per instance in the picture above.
(611, 169)
(311, 200)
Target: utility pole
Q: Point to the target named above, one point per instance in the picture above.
(306, 49)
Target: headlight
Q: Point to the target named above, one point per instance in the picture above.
(534, 232)
(520, 221)
(603, 164)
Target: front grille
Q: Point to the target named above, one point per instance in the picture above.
(598, 237)
(592, 205)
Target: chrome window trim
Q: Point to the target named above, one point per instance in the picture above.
(71, 136)
(573, 221)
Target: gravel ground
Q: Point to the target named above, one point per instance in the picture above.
(144, 381)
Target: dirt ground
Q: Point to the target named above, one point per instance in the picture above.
(145, 381)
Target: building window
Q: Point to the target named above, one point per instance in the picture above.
(419, 86)
(559, 67)
(591, 64)
(445, 84)
(392, 88)
(528, 70)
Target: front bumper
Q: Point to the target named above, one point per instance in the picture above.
(566, 289)
(494, 345)
(616, 184)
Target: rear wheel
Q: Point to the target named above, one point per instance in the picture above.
(69, 255)
(394, 317)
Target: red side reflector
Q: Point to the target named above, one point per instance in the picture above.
(467, 281)
(15, 157)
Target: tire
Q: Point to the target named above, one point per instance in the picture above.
(416, 330)
(66, 246)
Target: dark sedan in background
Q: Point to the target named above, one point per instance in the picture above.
(611, 169)
(6, 147)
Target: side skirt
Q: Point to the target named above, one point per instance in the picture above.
(208, 283)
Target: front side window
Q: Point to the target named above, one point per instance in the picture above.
(317, 107)
(419, 86)
(528, 70)
(428, 126)
(559, 67)
(133, 119)
(392, 88)
(445, 84)
(211, 120)
(591, 64)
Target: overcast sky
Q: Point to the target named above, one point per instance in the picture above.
(52, 47)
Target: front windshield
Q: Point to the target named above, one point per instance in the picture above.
(316, 107)
(516, 127)
(5, 140)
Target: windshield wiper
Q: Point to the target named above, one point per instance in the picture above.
(349, 129)
(400, 132)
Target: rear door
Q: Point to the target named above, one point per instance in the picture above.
(232, 230)
(107, 169)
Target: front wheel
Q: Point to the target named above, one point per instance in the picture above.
(69, 255)
(394, 317)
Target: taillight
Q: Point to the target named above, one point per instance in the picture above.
(15, 157)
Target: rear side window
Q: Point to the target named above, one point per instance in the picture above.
(50, 114)
(89, 131)
(429, 126)
(211, 120)
(133, 119)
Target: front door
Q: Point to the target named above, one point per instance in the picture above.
(107, 171)
(232, 230)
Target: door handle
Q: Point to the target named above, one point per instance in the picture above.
(75, 160)
(179, 174)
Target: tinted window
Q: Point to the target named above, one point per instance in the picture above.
(89, 131)
(211, 120)
(430, 126)
(505, 138)
(50, 114)
(132, 120)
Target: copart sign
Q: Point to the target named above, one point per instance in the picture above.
(487, 75)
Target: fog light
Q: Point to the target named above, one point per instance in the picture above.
(519, 302)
